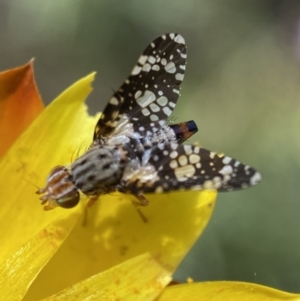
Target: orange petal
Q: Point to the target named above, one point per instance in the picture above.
(224, 290)
(20, 103)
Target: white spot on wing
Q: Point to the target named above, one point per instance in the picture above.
(162, 101)
(114, 101)
(184, 172)
(174, 146)
(163, 61)
(217, 182)
(182, 160)
(173, 164)
(155, 67)
(196, 150)
(167, 111)
(179, 76)
(159, 189)
(188, 149)
(179, 39)
(193, 158)
(170, 67)
(154, 117)
(137, 94)
(145, 112)
(255, 179)
(237, 163)
(161, 146)
(208, 184)
(136, 70)
(173, 154)
(143, 59)
(151, 59)
(146, 99)
(226, 170)
(154, 107)
(146, 67)
(226, 160)
(212, 155)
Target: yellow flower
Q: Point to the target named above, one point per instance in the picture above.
(115, 232)
(117, 255)
(224, 291)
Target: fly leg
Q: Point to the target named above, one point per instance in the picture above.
(92, 200)
(142, 202)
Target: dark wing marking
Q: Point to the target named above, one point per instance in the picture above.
(172, 167)
(151, 91)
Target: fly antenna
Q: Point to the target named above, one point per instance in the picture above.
(31, 183)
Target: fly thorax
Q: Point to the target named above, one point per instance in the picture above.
(98, 170)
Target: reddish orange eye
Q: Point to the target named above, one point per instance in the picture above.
(69, 200)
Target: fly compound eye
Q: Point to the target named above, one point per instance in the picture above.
(69, 200)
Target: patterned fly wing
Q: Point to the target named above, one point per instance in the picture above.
(173, 167)
(150, 93)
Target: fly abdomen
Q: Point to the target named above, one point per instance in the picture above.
(98, 170)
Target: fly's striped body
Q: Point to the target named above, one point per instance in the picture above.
(135, 150)
(97, 170)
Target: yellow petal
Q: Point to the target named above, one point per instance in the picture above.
(115, 233)
(140, 278)
(224, 291)
(20, 103)
(19, 271)
(55, 136)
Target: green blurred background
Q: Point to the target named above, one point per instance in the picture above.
(241, 88)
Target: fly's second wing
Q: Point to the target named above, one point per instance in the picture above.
(174, 167)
